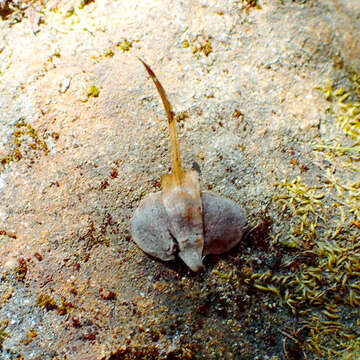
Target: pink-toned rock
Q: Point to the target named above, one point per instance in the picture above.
(243, 80)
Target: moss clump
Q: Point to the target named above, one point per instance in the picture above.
(56, 54)
(124, 45)
(83, 3)
(10, 235)
(303, 202)
(65, 307)
(93, 91)
(31, 335)
(252, 3)
(24, 135)
(47, 302)
(182, 116)
(199, 45)
(109, 53)
(347, 112)
(186, 44)
(204, 47)
(21, 269)
(3, 333)
(318, 223)
(6, 160)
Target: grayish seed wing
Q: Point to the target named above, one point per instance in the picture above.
(224, 223)
(149, 228)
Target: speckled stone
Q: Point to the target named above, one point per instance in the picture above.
(86, 162)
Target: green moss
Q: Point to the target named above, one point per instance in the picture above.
(93, 91)
(83, 3)
(47, 302)
(6, 160)
(55, 135)
(317, 232)
(252, 3)
(21, 269)
(124, 45)
(182, 116)
(353, 352)
(200, 45)
(3, 333)
(56, 53)
(289, 243)
(32, 333)
(109, 53)
(30, 337)
(303, 203)
(70, 12)
(65, 307)
(16, 155)
(345, 109)
(206, 48)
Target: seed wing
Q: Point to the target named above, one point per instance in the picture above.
(224, 223)
(149, 228)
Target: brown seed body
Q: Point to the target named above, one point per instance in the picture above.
(224, 223)
(181, 220)
(184, 209)
(150, 228)
(223, 227)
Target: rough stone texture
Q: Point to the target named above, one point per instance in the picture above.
(87, 161)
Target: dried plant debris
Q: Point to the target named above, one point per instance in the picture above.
(318, 234)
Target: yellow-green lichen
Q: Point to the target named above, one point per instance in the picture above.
(47, 302)
(83, 3)
(124, 45)
(25, 139)
(199, 45)
(65, 307)
(30, 337)
(75, 19)
(319, 220)
(108, 53)
(3, 333)
(252, 3)
(93, 91)
(345, 107)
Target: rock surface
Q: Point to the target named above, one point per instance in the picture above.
(83, 138)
